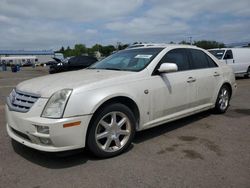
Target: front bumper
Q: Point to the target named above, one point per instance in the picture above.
(22, 127)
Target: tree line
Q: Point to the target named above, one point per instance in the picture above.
(206, 44)
(81, 49)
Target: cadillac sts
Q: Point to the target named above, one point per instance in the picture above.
(101, 107)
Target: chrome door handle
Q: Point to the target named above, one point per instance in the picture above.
(216, 74)
(191, 79)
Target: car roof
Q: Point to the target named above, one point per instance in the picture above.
(227, 48)
(82, 59)
(160, 45)
(219, 49)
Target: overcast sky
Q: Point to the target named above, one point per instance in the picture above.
(50, 24)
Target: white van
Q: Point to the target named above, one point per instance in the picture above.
(237, 58)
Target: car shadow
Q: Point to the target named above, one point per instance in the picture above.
(52, 160)
(167, 127)
(241, 78)
(58, 160)
(69, 159)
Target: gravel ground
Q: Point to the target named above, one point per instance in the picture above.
(204, 150)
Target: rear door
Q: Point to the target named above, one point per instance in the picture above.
(207, 75)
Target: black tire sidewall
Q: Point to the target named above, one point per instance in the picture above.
(91, 142)
(247, 75)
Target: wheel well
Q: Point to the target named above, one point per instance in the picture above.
(229, 86)
(125, 101)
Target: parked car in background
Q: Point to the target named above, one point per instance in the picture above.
(28, 64)
(137, 45)
(54, 61)
(237, 58)
(74, 63)
(102, 107)
(50, 63)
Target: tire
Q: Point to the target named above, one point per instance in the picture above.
(111, 131)
(247, 75)
(223, 99)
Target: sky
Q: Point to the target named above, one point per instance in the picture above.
(50, 24)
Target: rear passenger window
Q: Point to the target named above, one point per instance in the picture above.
(198, 59)
(177, 56)
(211, 62)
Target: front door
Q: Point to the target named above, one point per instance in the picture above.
(172, 93)
(229, 59)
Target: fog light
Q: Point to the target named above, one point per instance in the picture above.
(42, 129)
(45, 141)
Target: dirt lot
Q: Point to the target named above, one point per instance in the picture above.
(204, 150)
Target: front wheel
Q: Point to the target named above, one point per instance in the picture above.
(111, 131)
(223, 99)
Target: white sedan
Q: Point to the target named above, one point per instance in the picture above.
(102, 107)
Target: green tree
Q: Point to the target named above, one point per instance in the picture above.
(62, 50)
(107, 50)
(80, 49)
(206, 44)
(68, 52)
(121, 46)
(104, 50)
(184, 42)
(97, 47)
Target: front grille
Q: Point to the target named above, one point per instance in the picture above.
(20, 134)
(21, 101)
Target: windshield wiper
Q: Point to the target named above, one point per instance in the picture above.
(110, 68)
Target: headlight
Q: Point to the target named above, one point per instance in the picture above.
(56, 104)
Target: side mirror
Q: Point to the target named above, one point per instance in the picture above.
(168, 67)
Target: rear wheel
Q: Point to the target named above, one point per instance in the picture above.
(223, 99)
(111, 131)
(247, 75)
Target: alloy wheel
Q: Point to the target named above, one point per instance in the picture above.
(224, 98)
(113, 131)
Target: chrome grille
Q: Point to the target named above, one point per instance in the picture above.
(21, 101)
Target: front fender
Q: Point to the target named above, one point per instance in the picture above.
(87, 102)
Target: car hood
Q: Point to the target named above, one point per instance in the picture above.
(47, 85)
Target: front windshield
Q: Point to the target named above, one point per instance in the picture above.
(128, 60)
(217, 53)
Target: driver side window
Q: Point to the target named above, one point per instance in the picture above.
(177, 56)
(228, 55)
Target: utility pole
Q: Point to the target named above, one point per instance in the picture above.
(190, 39)
(118, 45)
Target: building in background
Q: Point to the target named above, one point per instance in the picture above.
(19, 60)
(22, 56)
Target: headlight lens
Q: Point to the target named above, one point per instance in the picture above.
(56, 104)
